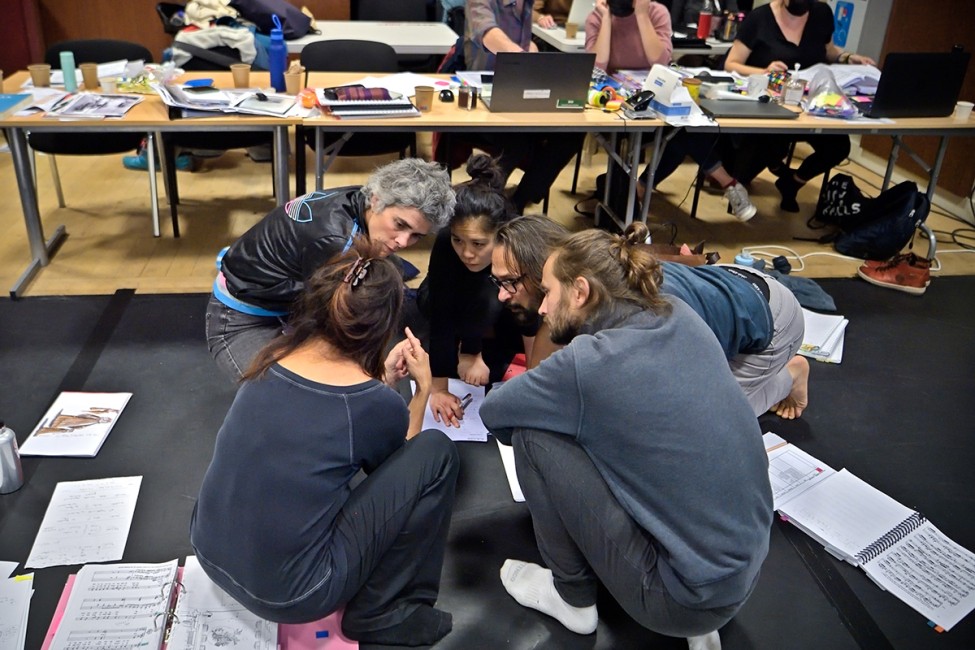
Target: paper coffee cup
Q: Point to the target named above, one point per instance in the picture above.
(89, 73)
(424, 98)
(109, 84)
(571, 30)
(292, 82)
(242, 74)
(963, 110)
(40, 74)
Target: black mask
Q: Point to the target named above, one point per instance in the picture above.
(799, 7)
(620, 8)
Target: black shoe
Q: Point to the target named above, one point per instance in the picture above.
(788, 188)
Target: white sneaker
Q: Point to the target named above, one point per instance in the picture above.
(737, 197)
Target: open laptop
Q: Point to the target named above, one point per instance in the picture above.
(540, 82)
(918, 84)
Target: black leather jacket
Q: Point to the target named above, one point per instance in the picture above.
(268, 265)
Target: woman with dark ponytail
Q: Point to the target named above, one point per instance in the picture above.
(278, 524)
(472, 336)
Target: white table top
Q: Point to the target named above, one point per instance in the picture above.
(555, 37)
(404, 37)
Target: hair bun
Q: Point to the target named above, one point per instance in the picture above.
(636, 233)
(485, 170)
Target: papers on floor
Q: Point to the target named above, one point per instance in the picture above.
(896, 546)
(15, 596)
(76, 424)
(508, 460)
(206, 616)
(824, 336)
(471, 428)
(86, 521)
(116, 606)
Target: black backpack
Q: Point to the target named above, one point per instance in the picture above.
(869, 228)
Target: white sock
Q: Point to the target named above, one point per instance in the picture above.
(704, 642)
(533, 586)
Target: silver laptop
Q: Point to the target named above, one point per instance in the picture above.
(579, 12)
(540, 82)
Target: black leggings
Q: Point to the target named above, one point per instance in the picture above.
(753, 153)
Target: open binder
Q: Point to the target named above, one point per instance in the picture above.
(897, 547)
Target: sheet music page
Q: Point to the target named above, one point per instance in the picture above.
(206, 617)
(75, 425)
(471, 428)
(117, 606)
(792, 471)
(846, 513)
(15, 596)
(929, 572)
(86, 521)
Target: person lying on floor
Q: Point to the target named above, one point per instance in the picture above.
(263, 273)
(278, 525)
(757, 321)
(669, 505)
(472, 336)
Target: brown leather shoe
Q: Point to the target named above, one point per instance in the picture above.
(907, 272)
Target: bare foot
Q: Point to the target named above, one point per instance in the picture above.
(792, 406)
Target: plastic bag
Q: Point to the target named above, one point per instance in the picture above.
(825, 98)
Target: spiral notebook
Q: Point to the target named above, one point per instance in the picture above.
(897, 547)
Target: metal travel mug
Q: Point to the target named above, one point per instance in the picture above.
(11, 473)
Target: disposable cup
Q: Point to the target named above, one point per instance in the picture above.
(242, 74)
(292, 82)
(571, 30)
(693, 86)
(109, 84)
(89, 72)
(40, 74)
(963, 110)
(424, 98)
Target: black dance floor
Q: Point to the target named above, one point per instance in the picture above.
(898, 412)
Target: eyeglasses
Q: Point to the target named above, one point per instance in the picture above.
(358, 272)
(508, 284)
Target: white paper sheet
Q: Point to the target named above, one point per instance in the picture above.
(117, 606)
(206, 617)
(15, 596)
(508, 460)
(7, 569)
(77, 424)
(86, 521)
(471, 428)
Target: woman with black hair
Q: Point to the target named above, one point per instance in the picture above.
(472, 336)
(773, 39)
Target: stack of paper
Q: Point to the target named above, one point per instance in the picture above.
(862, 79)
(823, 340)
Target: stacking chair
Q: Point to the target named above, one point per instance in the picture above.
(88, 144)
(347, 56)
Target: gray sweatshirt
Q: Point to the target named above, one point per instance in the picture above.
(655, 406)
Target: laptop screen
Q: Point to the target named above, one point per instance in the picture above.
(540, 82)
(919, 84)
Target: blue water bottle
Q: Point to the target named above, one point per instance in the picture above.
(277, 54)
(70, 75)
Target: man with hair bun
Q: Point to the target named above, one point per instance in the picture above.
(669, 505)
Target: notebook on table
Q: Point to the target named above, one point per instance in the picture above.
(746, 109)
(918, 84)
(540, 82)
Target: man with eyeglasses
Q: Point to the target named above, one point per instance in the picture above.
(520, 250)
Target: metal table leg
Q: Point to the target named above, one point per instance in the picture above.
(40, 250)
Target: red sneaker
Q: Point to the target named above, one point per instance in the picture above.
(908, 273)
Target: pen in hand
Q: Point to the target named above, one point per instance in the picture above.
(466, 400)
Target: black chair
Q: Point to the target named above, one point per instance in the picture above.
(88, 144)
(348, 56)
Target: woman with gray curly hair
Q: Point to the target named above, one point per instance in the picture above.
(263, 273)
